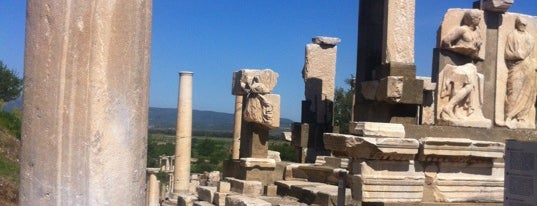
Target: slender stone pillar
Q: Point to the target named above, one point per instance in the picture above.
(152, 188)
(184, 134)
(86, 79)
(237, 128)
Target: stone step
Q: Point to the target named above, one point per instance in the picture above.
(202, 203)
(250, 188)
(242, 200)
(313, 192)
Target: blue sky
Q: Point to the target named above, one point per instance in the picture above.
(214, 38)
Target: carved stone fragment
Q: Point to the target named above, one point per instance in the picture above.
(521, 79)
(343, 145)
(377, 129)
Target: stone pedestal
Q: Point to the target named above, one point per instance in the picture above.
(257, 169)
(184, 134)
(386, 181)
(86, 79)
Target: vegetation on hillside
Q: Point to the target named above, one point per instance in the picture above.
(10, 127)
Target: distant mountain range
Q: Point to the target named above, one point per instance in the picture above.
(201, 120)
(166, 118)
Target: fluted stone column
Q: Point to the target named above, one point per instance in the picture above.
(86, 79)
(184, 134)
(237, 127)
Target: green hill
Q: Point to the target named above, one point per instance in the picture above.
(166, 118)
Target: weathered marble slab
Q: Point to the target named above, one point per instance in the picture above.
(434, 148)
(377, 129)
(258, 162)
(351, 146)
(386, 181)
(463, 182)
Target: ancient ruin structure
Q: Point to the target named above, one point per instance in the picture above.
(260, 114)
(460, 87)
(319, 74)
(387, 89)
(85, 103)
(415, 140)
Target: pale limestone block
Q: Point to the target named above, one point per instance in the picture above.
(319, 160)
(427, 114)
(377, 129)
(220, 198)
(371, 148)
(369, 89)
(326, 195)
(460, 147)
(336, 162)
(293, 171)
(288, 187)
(240, 200)
(463, 182)
(319, 75)
(386, 181)
(390, 89)
(186, 199)
(428, 85)
(223, 187)
(263, 109)
(86, 85)
(250, 188)
(398, 44)
(258, 162)
(497, 5)
(202, 203)
(213, 178)
(322, 174)
(193, 185)
(275, 155)
(453, 19)
(206, 193)
(270, 190)
(247, 81)
(313, 193)
(323, 40)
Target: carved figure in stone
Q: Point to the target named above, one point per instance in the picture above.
(257, 102)
(461, 86)
(465, 40)
(521, 82)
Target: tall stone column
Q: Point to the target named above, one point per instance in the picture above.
(184, 134)
(237, 127)
(86, 80)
